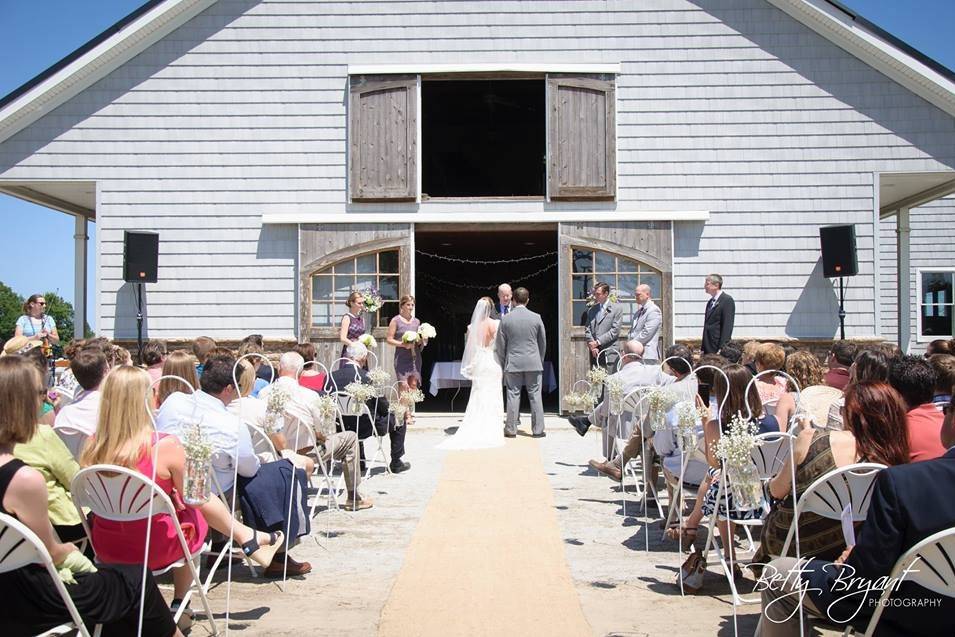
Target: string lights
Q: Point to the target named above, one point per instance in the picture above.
(493, 262)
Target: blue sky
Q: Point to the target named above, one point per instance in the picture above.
(36, 34)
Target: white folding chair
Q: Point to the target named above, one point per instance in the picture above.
(19, 547)
(936, 553)
(74, 439)
(633, 404)
(261, 444)
(123, 495)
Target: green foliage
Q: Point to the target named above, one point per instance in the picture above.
(11, 307)
(62, 313)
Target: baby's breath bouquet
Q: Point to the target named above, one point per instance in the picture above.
(660, 401)
(596, 377)
(380, 379)
(359, 393)
(399, 409)
(735, 448)
(326, 407)
(580, 401)
(411, 396)
(368, 341)
(427, 331)
(615, 394)
(196, 483)
(688, 418)
(275, 408)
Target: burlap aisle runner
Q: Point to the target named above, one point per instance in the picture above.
(487, 557)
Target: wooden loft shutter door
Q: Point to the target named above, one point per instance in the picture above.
(582, 137)
(382, 131)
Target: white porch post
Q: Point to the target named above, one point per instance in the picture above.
(904, 302)
(80, 239)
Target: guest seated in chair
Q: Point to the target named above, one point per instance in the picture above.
(665, 442)
(914, 378)
(384, 422)
(89, 366)
(909, 503)
(302, 415)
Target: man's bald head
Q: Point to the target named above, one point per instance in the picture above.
(635, 348)
(643, 293)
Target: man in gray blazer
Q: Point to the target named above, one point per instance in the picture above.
(602, 325)
(647, 322)
(521, 345)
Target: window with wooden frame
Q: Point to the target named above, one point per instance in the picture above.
(590, 267)
(936, 303)
(332, 285)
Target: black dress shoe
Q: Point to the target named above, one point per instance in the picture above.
(580, 423)
(508, 435)
(398, 467)
(540, 435)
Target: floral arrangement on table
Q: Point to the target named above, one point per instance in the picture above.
(326, 405)
(592, 301)
(580, 401)
(425, 331)
(380, 379)
(275, 408)
(735, 448)
(196, 484)
(372, 299)
(368, 341)
(659, 402)
(359, 393)
(615, 394)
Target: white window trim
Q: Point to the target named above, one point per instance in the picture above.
(919, 338)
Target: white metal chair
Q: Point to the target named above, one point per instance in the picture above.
(623, 360)
(74, 439)
(19, 547)
(262, 444)
(123, 495)
(937, 553)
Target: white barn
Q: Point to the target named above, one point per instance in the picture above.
(288, 150)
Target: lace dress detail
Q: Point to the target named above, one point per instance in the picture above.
(482, 426)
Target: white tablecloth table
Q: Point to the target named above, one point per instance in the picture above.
(447, 375)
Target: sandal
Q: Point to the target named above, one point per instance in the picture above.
(675, 531)
(262, 555)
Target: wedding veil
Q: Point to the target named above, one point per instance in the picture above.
(475, 337)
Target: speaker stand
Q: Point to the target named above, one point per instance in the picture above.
(139, 320)
(842, 311)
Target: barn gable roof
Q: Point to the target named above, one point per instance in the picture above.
(157, 18)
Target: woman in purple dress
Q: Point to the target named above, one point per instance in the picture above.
(353, 325)
(407, 355)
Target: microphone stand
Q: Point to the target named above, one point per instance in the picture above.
(139, 320)
(842, 311)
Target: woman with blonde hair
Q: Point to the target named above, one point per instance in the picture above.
(125, 437)
(107, 594)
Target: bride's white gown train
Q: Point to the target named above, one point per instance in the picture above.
(482, 426)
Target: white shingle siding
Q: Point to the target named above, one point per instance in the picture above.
(932, 245)
(726, 106)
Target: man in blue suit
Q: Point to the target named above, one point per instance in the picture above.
(909, 503)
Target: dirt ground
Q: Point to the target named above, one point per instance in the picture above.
(358, 577)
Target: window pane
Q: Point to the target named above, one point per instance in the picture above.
(343, 286)
(583, 261)
(388, 310)
(388, 287)
(388, 262)
(626, 265)
(366, 264)
(653, 280)
(628, 285)
(937, 287)
(581, 285)
(580, 312)
(605, 262)
(321, 288)
(936, 320)
(629, 307)
(322, 314)
(345, 267)
(365, 281)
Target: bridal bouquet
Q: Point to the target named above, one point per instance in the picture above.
(660, 402)
(359, 393)
(380, 379)
(372, 298)
(326, 406)
(735, 448)
(580, 401)
(275, 409)
(615, 393)
(368, 341)
(196, 484)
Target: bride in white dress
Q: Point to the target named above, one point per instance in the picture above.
(481, 427)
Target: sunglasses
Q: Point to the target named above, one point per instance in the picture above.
(40, 302)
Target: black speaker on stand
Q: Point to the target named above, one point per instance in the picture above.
(140, 265)
(839, 260)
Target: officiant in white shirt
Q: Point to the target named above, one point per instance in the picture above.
(647, 324)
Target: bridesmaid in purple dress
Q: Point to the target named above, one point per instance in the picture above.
(353, 325)
(407, 355)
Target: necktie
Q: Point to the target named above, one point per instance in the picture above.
(503, 310)
(640, 313)
(711, 304)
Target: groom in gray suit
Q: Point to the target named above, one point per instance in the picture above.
(521, 344)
